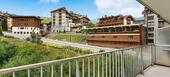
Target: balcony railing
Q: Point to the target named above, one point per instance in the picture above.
(120, 63)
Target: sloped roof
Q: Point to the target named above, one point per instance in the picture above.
(25, 17)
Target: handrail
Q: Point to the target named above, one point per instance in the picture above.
(25, 67)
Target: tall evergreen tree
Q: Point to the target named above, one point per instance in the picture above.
(4, 25)
(36, 38)
(91, 25)
(1, 30)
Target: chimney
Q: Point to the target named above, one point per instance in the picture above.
(125, 21)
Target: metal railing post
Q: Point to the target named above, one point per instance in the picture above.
(69, 69)
(142, 60)
(98, 66)
(152, 63)
(113, 65)
(110, 65)
(122, 64)
(106, 66)
(83, 74)
(77, 69)
(94, 70)
(153, 55)
(41, 72)
(52, 70)
(13, 74)
(116, 65)
(88, 67)
(28, 72)
(102, 65)
(61, 70)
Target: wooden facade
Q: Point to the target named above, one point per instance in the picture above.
(117, 36)
(24, 21)
(115, 20)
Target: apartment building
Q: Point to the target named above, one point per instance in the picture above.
(153, 22)
(117, 32)
(63, 20)
(24, 25)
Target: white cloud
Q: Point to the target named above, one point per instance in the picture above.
(48, 1)
(133, 11)
(115, 7)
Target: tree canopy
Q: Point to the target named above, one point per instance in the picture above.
(91, 25)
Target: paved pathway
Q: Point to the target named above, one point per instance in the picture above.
(63, 43)
(156, 71)
(82, 46)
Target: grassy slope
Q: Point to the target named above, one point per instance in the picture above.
(28, 53)
(45, 19)
(70, 37)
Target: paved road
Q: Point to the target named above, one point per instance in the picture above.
(63, 43)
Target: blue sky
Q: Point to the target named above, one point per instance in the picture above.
(92, 8)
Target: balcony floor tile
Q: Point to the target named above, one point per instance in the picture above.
(156, 71)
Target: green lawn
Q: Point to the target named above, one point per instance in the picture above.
(15, 52)
(71, 37)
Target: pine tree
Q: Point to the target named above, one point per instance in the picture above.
(36, 38)
(4, 25)
(1, 30)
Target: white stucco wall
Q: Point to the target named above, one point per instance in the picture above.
(25, 30)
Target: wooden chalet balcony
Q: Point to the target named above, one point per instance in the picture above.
(122, 32)
(115, 38)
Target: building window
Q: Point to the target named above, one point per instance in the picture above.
(22, 28)
(21, 19)
(150, 41)
(150, 17)
(151, 35)
(14, 32)
(150, 23)
(150, 29)
(17, 32)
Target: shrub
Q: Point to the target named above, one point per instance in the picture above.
(102, 51)
(84, 31)
(7, 51)
(28, 39)
(8, 36)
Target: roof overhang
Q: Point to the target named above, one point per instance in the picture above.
(160, 7)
